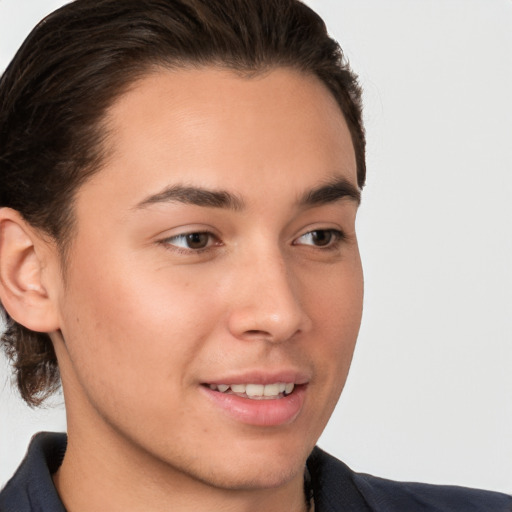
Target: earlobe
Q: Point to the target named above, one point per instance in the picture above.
(22, 291)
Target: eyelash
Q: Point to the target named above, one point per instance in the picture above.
(190, 250)
(336, 237)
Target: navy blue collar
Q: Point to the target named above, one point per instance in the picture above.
(335, 487)
(31, 488)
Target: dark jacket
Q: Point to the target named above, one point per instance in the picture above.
(335, 487)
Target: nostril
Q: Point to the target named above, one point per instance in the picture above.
(254, 332)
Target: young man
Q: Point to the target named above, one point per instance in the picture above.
(180, 181)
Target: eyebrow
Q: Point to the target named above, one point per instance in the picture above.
(195, 196)
(331, 192)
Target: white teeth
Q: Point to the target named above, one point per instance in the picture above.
(252, 390)
(271, 390)
(256, 390)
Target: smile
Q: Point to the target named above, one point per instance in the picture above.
(256, 391)
(263, 405)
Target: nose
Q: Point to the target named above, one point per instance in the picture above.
(268, 302)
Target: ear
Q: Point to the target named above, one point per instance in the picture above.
(24, 256)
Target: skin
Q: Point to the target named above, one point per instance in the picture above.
(143, 320)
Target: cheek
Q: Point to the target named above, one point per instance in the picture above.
(336, 308)
(133, 326)
(335, 299)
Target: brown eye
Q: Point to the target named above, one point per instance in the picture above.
(321, 237)
(191, 241)
(197, 240)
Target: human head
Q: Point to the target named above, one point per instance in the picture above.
(76, 62)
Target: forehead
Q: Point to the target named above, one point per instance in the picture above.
(215, 128)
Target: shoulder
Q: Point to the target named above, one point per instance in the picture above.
(31, 488)
(332, 481)
(389, 495)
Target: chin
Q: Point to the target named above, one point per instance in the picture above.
(256, 469)
(254, 478)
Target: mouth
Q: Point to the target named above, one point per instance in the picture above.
(264, 405)
(274, 391)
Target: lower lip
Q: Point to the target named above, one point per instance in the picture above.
(262, 413)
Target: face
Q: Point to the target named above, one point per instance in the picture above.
(214, 291)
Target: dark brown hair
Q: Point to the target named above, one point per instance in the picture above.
(78, 60)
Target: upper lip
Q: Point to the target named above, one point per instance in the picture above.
(262, 377)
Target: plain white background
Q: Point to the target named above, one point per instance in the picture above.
(429, 397)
